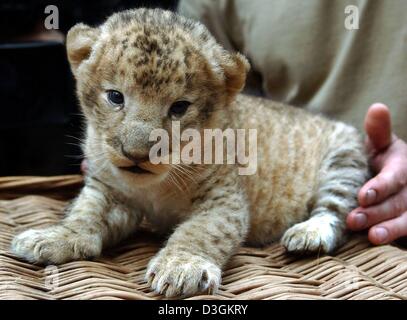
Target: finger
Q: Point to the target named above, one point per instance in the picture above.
(389, 231)
(392, 207)
(389, 181)
(378, 126)
(396, 152)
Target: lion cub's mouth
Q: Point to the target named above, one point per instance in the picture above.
(136, 170)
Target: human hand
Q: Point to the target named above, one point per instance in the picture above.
(383, 199)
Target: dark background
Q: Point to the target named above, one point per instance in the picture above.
(40, 122)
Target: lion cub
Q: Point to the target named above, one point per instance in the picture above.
(144, 69)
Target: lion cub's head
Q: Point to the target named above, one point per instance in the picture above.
(141, 70)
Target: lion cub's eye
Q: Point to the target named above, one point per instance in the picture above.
(178, 108)
(115, 97)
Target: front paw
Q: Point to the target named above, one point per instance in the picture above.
(55, 245)
(182, 274)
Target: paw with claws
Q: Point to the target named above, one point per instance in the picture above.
(182, 274)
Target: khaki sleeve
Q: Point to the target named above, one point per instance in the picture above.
(213, 14)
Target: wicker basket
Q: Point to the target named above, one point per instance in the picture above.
(357, 271)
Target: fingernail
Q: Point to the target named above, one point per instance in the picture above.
(371, 195)
(381, 234)
(360, 220)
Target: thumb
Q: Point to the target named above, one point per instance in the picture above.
(378, 126)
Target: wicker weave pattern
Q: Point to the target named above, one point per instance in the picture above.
(357, 271)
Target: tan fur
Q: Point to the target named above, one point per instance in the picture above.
(308, 167)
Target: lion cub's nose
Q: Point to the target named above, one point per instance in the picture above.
(135, 157)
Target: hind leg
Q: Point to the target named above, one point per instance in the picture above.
(344, 170)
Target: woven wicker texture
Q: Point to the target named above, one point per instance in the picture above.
(357, 271)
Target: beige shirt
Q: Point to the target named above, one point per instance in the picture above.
(305, 56)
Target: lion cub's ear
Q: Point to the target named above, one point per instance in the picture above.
(79, 42)
(235, 68)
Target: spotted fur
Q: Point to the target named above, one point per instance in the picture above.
(309, 168)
